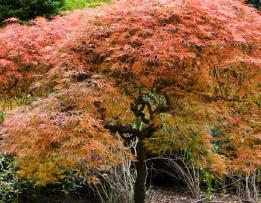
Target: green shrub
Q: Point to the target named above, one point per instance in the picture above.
(28, 9)
(10, 186)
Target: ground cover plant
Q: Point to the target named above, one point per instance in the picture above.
(176, 80)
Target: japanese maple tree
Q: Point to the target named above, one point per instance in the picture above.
(164, 72)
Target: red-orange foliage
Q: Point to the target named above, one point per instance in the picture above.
(61, 132)
(25, 50)
(203, 55)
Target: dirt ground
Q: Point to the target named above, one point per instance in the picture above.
(163, 195)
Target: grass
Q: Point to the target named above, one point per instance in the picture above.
(78, 4)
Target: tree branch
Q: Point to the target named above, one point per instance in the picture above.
(124, 130)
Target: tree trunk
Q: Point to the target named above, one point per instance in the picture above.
(139, 190)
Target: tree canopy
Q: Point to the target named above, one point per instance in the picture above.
(183, 76)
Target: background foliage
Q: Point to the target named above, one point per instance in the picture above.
(256, 3)
(28, 9)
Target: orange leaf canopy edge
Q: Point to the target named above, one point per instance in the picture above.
(204, 56)
(62, 132)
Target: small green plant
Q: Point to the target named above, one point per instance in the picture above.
(71, 184)
(208, 179)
